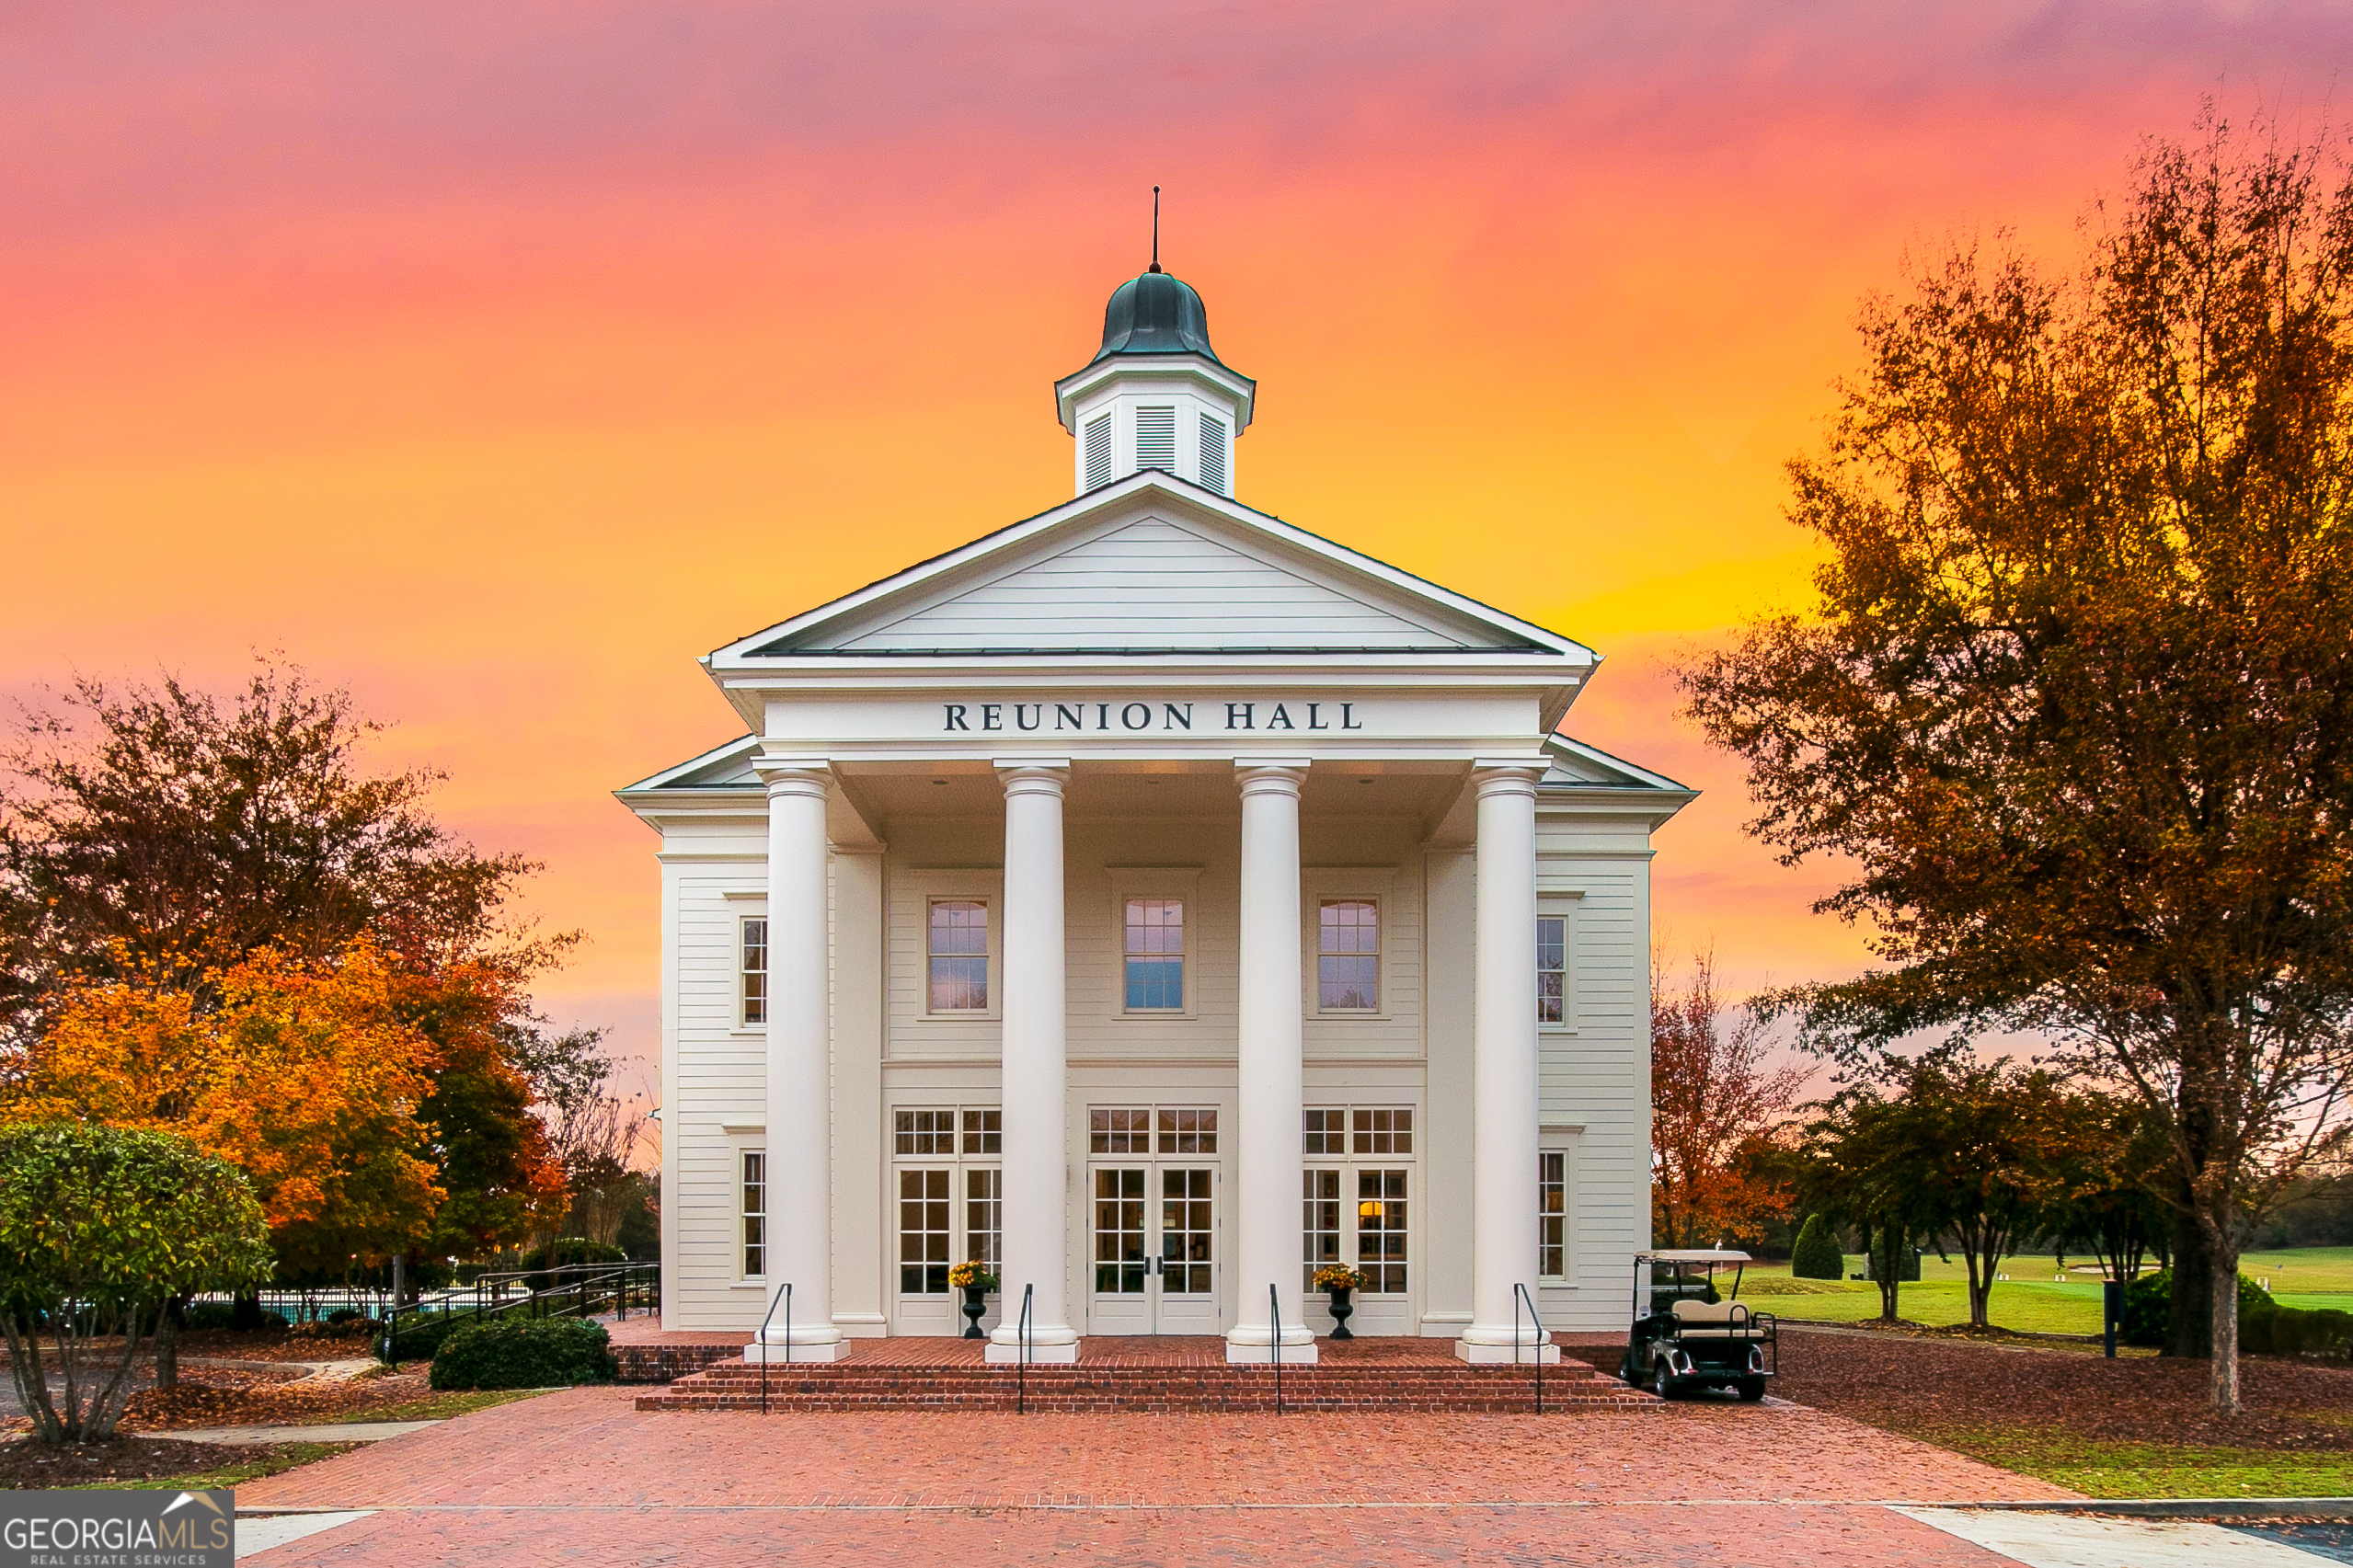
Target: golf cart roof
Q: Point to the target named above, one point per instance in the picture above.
(1692, 1254)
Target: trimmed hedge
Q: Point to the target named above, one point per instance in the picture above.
(523, 1352)
(1817, 1255)
(2148, 1299)
(2323, 1331)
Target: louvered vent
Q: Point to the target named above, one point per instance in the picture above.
(1099, 451)
(1156, 439)
(1213, 454)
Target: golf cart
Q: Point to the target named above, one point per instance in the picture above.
(1687, 1336)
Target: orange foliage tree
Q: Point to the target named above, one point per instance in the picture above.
(1715, 1105)
(304, 1077)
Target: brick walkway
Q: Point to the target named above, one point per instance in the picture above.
(584, 1477)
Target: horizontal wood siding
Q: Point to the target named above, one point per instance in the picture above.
(1152, 584)
(1600, 1075)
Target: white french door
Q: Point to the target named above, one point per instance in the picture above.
(1153, 1249)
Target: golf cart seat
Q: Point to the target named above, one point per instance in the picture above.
(1713, 1320)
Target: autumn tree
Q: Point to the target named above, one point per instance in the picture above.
(2116, 1161)
(302, 1077)
(1713, 1099)
(1994, 1140)
(2075, 703)
(156, 835)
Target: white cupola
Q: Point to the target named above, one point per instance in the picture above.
(1156, 394)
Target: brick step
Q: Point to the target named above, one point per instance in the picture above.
(850, 1387)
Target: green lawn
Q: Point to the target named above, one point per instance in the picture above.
(2031, 1301)
(2150, 1469)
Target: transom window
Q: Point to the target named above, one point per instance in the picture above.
(1552, 968)
(1385, 1130)
(1552, 1214)
(1348, 955)
(755, 1216)
(984, 1132)
(957, 945)
(1327, 1133)
(1154, 949)
(1188, 1130)
(925, 1132)
(753, 968)
(1119, 1129)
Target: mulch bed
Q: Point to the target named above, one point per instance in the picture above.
(212, 1396)
(1923, 1384)
(24, 1463)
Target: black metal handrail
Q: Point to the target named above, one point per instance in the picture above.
(577, 1291)
(1543, 1337)
(1021, 1333)
(1274, 1308)
(784, 1294)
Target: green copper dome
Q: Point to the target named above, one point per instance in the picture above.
(1156, 314)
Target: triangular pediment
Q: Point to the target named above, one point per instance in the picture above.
(1152, 583)
(1152, 567)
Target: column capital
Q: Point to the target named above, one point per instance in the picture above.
(1259, 775)
(1507, 775)
(1033, 776)
(793, 775)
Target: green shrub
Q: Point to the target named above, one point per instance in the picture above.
(2274, 1330)
(524, 1352)
(418, 1336)
(2147, 1300)
(1817, 1255)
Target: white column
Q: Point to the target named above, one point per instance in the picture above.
(1503, 1070)
(1033, 1003)
(1265, 1189)
(800, 1098)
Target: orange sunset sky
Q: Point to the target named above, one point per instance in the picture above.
(498, 358)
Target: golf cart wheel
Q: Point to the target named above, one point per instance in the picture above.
(1661, 1382)
(1625, 1367)
(1752, 1390)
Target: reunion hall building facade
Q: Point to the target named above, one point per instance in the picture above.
(1153, 900)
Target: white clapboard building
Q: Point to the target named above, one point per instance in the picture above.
(1155, 900)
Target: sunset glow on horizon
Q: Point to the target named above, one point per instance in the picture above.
(446, 348)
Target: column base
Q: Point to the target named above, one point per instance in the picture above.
(1254, 1347)
(775, 1352)
(1048, 1347)
(1489, 1352)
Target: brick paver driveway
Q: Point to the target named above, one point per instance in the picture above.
(582, 1477)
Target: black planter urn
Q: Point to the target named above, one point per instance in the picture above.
(976, 1301)
(1343, 1308)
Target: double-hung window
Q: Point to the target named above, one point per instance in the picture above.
(1552, 1214)
(956, 944)
(755, 1215)
(1153, 947)
(1552, 968)
(1348, 955)
(752, 969)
